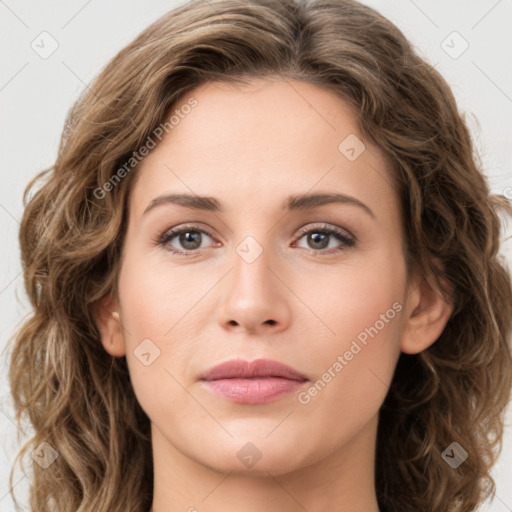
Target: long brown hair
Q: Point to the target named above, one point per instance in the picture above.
(79, 399)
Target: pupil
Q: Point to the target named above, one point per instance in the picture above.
(317, 238)
(190, 237)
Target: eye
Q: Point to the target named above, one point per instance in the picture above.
(319, 239)
(190, 238)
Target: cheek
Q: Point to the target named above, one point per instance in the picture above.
(354, 302)
(356, 359)
(156, 296)
(147, 303)
(163, 317)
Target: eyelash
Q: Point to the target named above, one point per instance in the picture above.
(348, 240)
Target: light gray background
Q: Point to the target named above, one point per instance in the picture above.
(36, 93)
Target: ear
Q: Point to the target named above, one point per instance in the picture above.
(108, 320)
(426, 314)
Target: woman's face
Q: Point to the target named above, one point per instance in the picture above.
(317, 285)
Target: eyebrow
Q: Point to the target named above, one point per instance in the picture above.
(292, 203)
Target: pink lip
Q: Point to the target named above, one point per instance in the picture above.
(258, 381)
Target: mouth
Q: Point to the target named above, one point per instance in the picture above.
(256, 382)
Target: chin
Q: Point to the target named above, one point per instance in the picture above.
(255, 455)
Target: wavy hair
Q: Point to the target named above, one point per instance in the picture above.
(79, 399)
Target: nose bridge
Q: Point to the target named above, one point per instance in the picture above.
(251, 276)
(254, 296)
(253, 247)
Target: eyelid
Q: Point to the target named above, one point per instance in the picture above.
(322, 226)
(192, 226)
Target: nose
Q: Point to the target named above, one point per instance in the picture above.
(254, 299)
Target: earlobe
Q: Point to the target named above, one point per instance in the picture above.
(427, 314)
(108, 321)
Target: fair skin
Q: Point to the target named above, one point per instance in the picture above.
(251, 146)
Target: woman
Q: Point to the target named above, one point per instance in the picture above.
(264, 276)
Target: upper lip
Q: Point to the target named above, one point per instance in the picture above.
(239, 368)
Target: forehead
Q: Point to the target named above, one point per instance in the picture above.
(263, 111)
(262, 140)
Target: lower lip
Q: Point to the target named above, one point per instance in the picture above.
(254, 391)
